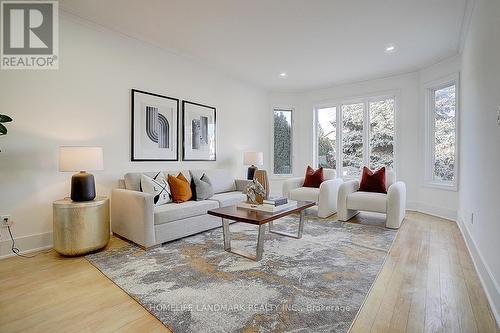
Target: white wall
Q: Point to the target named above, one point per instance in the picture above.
(480, 148)
(440, 202)
(410, 121)
(87, 101)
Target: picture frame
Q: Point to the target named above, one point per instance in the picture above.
(199, 132)
(154, 127)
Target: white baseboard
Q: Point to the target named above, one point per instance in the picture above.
(444, 213)
(25, 244)
(490, 285)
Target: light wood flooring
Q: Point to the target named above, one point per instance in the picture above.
(428, 284)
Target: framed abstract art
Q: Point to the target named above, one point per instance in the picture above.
(198, 132)
(155, 127)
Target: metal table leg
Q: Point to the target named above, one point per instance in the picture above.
(243, 253)
(299, 232)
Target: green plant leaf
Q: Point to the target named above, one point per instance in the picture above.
(5, 119)
(3, 130)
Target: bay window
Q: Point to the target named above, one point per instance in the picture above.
(354, 134)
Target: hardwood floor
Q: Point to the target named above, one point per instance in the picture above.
(428, 284)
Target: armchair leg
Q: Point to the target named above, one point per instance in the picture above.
(347, 214)
(393, 223)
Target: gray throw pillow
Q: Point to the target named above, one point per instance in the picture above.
(203, 188)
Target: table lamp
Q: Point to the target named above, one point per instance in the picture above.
(252, 158)
(82, 159)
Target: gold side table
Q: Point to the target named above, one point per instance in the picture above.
(80, 227)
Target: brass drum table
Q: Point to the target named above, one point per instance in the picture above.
(80, 227)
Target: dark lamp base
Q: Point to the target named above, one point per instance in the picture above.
(82, 187)
(251, 172)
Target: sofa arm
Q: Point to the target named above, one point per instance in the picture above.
(343, 213)
(290, 184)
(396, 205)
(132, 216)
(328, 193)
(241, 184)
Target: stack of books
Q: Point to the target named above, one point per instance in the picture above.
(275, 201)
(271, 205)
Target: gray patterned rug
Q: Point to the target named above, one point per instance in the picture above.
(313, 284)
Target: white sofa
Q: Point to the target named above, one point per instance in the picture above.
(325, 196)
(393, 204)
(136, 218)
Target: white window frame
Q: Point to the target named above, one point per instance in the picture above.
(292, 157)
(365, 99)
(429, 155)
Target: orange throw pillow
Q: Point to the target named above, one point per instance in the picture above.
(180, 188)
(313, 178)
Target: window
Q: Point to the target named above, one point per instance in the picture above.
(354, 134)
(382, 133)
(441, 152)
(327, 138)
(352, 139)
(282, 148)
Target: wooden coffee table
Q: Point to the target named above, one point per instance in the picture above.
(260, 219)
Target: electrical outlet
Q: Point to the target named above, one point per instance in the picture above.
(4, 221)
(498, 116)
(471, 218)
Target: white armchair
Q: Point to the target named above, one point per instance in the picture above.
(393, 204)
(325, 196)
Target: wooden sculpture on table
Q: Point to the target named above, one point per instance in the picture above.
(261, 177)
(255, 192)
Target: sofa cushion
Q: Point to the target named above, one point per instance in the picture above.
(202, 188)
(177, 211)
(369, 201)
(180, 188)
(373, 181)
(222, 180)
(158, 187)
(174, 173)
(133, 179)
(313, 178)
(229, 198)
(305, 194)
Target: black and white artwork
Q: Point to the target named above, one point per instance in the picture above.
(199, 132)
(155, 123)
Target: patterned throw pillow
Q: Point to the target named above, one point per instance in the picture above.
(202, 187)
(158, 187)
(181, 190)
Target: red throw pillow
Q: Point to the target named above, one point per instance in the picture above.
(313, 178)
(373, 181)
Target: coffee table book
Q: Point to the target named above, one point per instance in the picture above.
(267, 208)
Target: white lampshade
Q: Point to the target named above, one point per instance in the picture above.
(253, 158)
(73, 158)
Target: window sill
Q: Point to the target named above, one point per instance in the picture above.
(442, 186)
(280, 177)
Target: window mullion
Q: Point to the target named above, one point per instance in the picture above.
(366, 135)
(339, 141)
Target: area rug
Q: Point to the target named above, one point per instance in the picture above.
(313, 284)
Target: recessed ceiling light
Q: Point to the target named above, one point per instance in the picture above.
(283, 74)
(390, 48)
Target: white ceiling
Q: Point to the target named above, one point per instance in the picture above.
(316, 42)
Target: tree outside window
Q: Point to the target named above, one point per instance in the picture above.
(282, 142)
